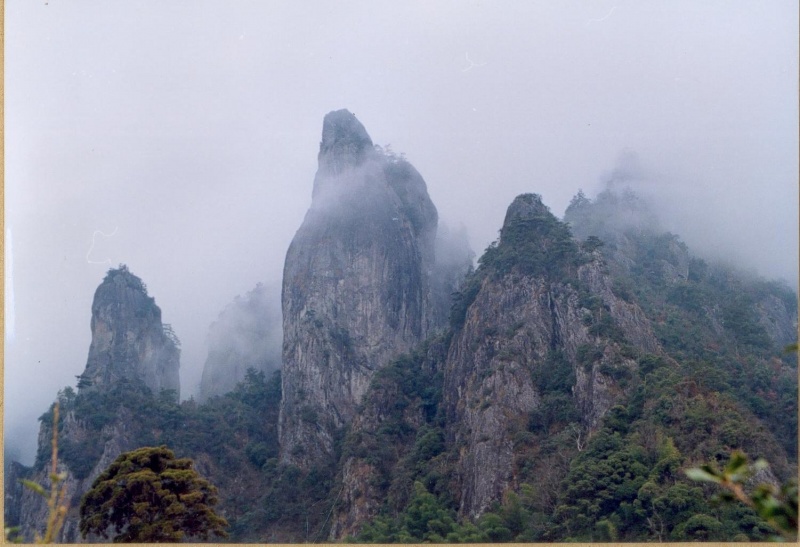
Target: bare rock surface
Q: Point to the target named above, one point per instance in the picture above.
(356, 285)
(129, 341)
(130, 345)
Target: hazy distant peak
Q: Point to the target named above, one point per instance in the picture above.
(628, 168)
(611, 213)
(345, 142)
(525, 207)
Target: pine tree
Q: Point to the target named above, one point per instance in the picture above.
(147, 495)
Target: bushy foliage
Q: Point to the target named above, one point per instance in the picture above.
(95, 410)
(235, 434)
(554, 379)
(540, 246)
(630, 481)
(408, 444)
(738, 317)
(463, 299)
(427, 520)
(296, 500)
(147, 495)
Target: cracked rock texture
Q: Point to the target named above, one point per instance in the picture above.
(358, 285)
(129, 341)
(129, 344)
(513, 325)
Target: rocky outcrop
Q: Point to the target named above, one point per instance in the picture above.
(637, 248)
(13, 473)
(247, 334)
(778, 317)
(628, 316)
(541, 308)
(32, 509)
(550, 340)
(130, 346)
(129, 341)
(520, 327)
(356, 285)
(368, 474)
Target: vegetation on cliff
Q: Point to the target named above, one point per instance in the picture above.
(722, 383)
(714, 379)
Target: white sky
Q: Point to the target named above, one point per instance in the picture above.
(181, 137)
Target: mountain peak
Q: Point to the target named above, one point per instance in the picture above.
(344, 143)
(525, 207)
(122, 277)
(358, 286)
(128, 338)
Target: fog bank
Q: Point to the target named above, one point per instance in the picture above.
(181, 139)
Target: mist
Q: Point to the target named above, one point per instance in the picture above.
(181, 139)
(248, 334)
(715, 222)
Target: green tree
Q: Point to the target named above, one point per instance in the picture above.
(426, 519)
(147, 495)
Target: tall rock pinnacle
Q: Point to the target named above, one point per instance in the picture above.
(129, 340)
(129, 344)
(356, 285)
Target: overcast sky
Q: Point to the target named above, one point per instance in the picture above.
(181, 138)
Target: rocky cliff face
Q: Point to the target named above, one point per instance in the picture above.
(637, 248)
(356, 285)
(525, 325)
(130, 347)
(615, 348)
(778, 317)
(542, 324)
(13, 473)
(401, 403)
(129, 341)
(247, 334)
(30, 509)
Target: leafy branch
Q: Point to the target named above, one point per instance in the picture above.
(778, 507)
